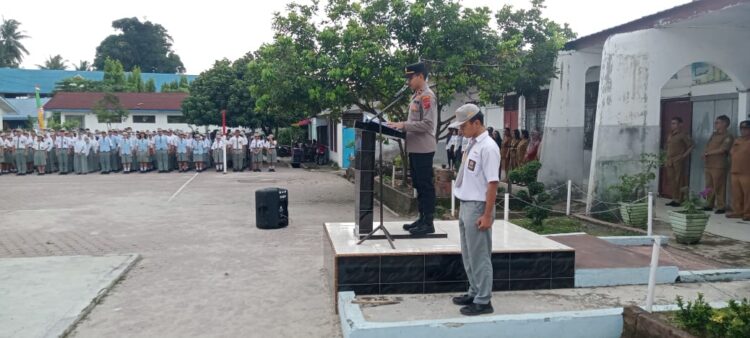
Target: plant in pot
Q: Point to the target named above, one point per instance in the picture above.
(631, 192)
(689, 223)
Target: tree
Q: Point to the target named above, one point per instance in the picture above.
(538, 39)
(114, 76)
(83, 66)
(143, 44)
(11, 48)
(54, 63)
(109, 110)
(223, 87)
(79, 84)
(135, 81)
(150, 86)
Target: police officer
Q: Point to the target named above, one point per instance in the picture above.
(679, 146)
(476, 189)
(741, 174)
(421, 145)
(716, 164)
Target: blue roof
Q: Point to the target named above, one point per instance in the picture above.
(23, 81)
(24, 108)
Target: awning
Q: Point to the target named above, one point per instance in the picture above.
(302, 123)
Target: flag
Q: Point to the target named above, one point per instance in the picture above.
(39, 108)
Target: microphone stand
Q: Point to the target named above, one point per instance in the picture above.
(382, 227)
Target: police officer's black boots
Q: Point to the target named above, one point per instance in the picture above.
(424, 228)
(416, 223)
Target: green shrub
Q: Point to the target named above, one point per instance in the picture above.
(702, 320)
(525, 174)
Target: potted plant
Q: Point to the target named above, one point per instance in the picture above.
(632, 190)
(689, 223)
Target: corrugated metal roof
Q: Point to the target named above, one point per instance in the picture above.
(23, 81)
(129, 101)
(26, 107)
(675, 14)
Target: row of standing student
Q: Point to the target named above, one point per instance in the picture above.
(24, 152)
(516, 149)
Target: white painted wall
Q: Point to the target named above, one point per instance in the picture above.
(635, 68)
(563, 137)
(90, 121)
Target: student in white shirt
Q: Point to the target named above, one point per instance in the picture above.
(271, 145)
(40, 154)
(19, 145)
(218, 151)
(476, 188)
(257, 150)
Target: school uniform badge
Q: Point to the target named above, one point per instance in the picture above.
(471, 165)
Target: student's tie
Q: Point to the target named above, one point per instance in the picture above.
(460, 177)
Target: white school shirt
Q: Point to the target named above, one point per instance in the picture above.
(60, 142)
(79, 146)
(219, 143)
(41, 145)
(30, 141)
(235, 142)
(480, 167)
(18, 142)
(50, 143)
(271, 144)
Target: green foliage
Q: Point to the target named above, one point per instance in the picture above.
(143, 44)
(11, 49)
(694, 203)
(109, 110)
(150, 86)
(222, 87)
(114, 76)
(54, 63)
(634, 187)
(290, 135)
(79, 84)
(83, 66)
(701, 319)
(525, 174)
(135, 81)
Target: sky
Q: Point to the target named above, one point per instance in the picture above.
(205, 31)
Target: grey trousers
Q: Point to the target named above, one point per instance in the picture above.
(476, 251)
(162, 160)
(105, 161)
(62, 156)
(21, 160)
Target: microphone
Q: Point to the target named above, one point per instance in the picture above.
(401, 91)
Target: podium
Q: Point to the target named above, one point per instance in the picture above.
(365, 172)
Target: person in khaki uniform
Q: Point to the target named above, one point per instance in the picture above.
(716, 156)
(679, 146)
(740, 153)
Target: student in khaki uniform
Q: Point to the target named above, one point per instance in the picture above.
(505, 150)
(741, 174)
(679, 146)
(717, 164)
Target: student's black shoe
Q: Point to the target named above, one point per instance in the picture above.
(272, 170)
(477, 309)
(720, 212)
(463, 300)
(422, 229)
(673, 204)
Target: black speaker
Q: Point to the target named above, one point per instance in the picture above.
(297, 155)
(271, 208)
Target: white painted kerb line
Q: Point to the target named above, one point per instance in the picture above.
(182, 187)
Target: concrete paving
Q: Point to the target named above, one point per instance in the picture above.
(717, 224)
(425, 307)
(46, 296)
(206, 270)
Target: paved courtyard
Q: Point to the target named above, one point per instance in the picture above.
(206, 270)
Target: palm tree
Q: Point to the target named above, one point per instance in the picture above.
(11, 48)
(54, 63)
(83, 66)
